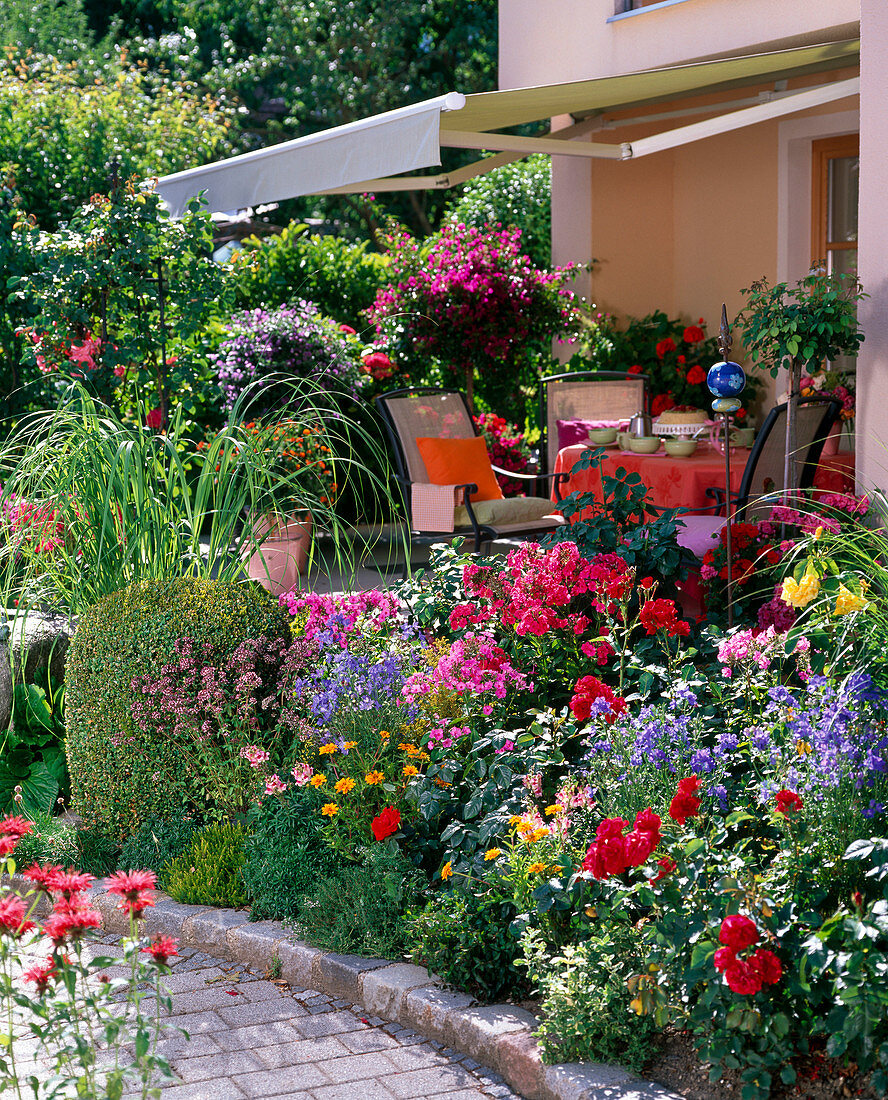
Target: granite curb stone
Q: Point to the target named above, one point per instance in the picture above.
(500, 1036)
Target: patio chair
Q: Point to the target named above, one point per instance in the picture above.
(585, 396)
(439, 506)
(763, 477)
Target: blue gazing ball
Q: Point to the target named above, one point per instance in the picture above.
(726, 379)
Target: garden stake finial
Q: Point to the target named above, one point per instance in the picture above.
(725, 381)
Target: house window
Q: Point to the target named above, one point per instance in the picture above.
(836, 163)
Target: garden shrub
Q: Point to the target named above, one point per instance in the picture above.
(209, 871)
(155, 844)
(359, 908)
(286, 852)
(341, 277)
(97, 852)
(585, 1000)
(122, 776)
(466, 938)
(54, 840)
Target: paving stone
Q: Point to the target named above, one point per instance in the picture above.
(331, 1023)
(188, 980)
(322, 1051)
(258, 1035)
(253, 944)
(426, 1083)
(166, 917)
(245, 1013)
(362, 1042)
(416, 1057)
(199, 1023)
(200, 1090)
(517, 1056)
(370, 1090)
(273, 1082)
(478, 1029)
(209, 929)
(584, 1081)
(212, 1067)
(358, 1067)
(382, 991)
(429, 1009)
(340, 975)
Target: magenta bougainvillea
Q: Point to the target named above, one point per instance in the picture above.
(469, 305)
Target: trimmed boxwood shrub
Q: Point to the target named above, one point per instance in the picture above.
(121, 776)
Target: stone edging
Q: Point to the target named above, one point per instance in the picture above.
(498, 1036)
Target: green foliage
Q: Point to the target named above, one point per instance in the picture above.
(517, 194)
(63, 127)
(120, 776)
(32, 753)
(57, 27)
(359, 907)
(285, 854)
(209, 871)
(16, 262)
(467, 939)
(585, 997)
(155, 844)
(813, 321)
(54, 840)
(340, 277)
(131, 508)
(99, 315)
(97, 853)
(624, 520)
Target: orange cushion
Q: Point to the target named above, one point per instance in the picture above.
(460, 462)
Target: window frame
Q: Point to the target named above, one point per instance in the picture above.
(822, 152)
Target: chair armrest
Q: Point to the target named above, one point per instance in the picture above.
(557, 479)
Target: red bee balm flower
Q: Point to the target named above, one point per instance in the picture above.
(788, 802)
(135, 888)
(16, 827)
(41, 976)
(163, 948)
(386, 823)
(685, 804)
(12, 916)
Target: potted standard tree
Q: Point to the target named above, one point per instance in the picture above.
(798, 329)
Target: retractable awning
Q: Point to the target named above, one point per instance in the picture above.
(369, 154)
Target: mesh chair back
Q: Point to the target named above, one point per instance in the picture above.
(764, 473)
(412, 414)
(586, 395)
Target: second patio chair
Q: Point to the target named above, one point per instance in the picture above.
(570, 403)
(763, 477)
(446, 476)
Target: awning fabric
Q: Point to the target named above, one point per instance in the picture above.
(367, 154)
(397, 141)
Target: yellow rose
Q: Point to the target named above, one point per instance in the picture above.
(801, 594)
(846, 602)
(447, 870)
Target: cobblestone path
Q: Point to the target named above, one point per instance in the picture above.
(251, 1037)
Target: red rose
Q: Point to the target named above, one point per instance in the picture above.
(738, 932)
(667, 866)
(685, 804)
(378, 365)
(646, 821)
(639, 846)
(613, 854)
(386, 823)
(723, 958)
(767, 966)
(743, 978)
(636, 368)
(661, 403)
(665, 346)
(693, 334)
(696, 375)
(740, 414)
(660, 615)
(587, 691)
(788, 802)
(154, 419)
(348, 330)
(594, 864)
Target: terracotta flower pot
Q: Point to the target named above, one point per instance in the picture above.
(283, 556)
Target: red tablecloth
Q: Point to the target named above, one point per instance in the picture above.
(835, 473)
(673, 482)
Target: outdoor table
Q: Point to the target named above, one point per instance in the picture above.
(674, 482)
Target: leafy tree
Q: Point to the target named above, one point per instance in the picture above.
(56, 27)
(305, 65)
(518, 195)
(64, 129)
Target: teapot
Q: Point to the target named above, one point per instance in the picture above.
(640, 425)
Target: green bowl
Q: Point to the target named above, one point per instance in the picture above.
(645, 444)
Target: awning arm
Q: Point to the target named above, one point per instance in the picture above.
(515, 143)
(736, 120)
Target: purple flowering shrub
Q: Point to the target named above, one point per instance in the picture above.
(296, 341)
(468, 304)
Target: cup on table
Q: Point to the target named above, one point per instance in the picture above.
(743, 437)
(623, 439)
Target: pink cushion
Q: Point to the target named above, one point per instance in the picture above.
(700, 533)
(577, 431)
